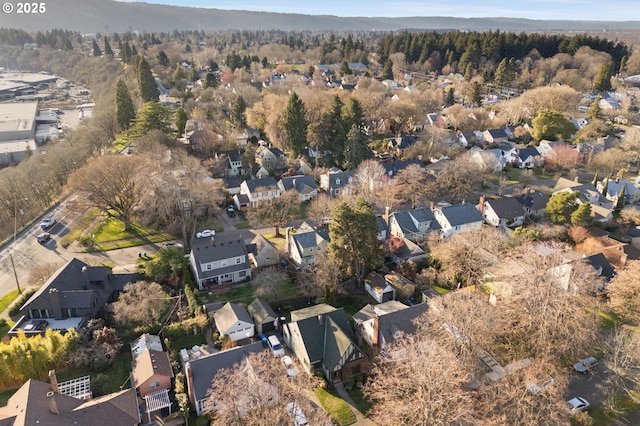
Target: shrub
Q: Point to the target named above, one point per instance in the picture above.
(13, 311)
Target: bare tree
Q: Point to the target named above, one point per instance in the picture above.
(623, 292)
(413, 183)
(321, 207)
(418, 381)
(268, 282)
(41, 274)
(277, 211)
(624, 363)
(115, 184)
(370, 180)
(257, 391)
(141, 302)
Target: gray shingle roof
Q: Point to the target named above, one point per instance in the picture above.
(534, 201)
(339, 180)
(268, 182)
(308, 239)
(530, 151)
(461, 214)
(506, 208)
(230, 314)
(299, 183)
(261, 311)
(205, 250)
(402, 320)
(203, 370)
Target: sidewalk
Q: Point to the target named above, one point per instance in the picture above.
(360, 419)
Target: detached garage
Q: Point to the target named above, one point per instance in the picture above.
(234, 321)
(263, 316)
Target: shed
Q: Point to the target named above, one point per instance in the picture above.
(263, 316)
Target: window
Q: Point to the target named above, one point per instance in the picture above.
(238, 260)
(208, 267)
(154, 385)
(242, 273)
(223, 263)
(337, 181)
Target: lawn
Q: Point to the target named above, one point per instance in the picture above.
(111, 380)
(362, 404)
(609, 320)
(188, 341)
(350, 304)
(110, 234)
(8, 299)
(440, 290)
(76, 232)
(337, 408)
(602, 417)
(243, 225)
(235, 295)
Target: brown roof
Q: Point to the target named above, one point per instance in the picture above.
(31, 405)
(148, 364)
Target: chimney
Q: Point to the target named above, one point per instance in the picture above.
(320, 318)
(432, 205)
(376, 330)
(387, 212)
(53, 380)
(617, 179)
(53, 407)
(575, 179)
(481, 205)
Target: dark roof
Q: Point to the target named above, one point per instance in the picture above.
(461, 214)
(506, 208)
(393, 167)
(266, 182)
(309, 239)
(203, 370)
(634, 232)
(231, 182)
(230, 314)
(599, 261)
(261, 311)
(30, 405)
(78, 285)
(243, 199)
(527, 152)
(403, 142)
(234, 155)
(402, 320)
(375, 280)
(382, 224)
(299, 183)
(533, 200)
(497, 133)
(205, 250)
(343, 177)
(407, 219)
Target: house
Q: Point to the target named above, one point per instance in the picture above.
(40, 403)
(219, 263)
(336, 182)
(528, 158)
(305, 244)
(233, 165)
(436, 120)
(412, 224)
(601, 207)
(633, 235)
(304, 186)
(259, 172)
(490, 159)
(496, 136)
(379, 288)
(200, 370)
(241, 201)
(614, 188)
(263, 316)
(502, 212)
(459, 218)
(234, 321)
(381, 325)
(601, 266)
(400, 143)
(405, 288)
(383, 228)
(465, 139)
(394, 166)
(231, 185)
(534, 203)
(271, 158)
(260, 190)
(321, 338)
(74, 294)
(262, 253)
(546, 148)
(402, 250)
(151, 370)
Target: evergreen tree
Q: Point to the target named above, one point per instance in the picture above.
(146, 82)
(179, 73)
(180, 120)
(67, 44)
(356, 148)
(595, 112)
(238, 109)
(194, 75)
(354, 245)
(475, 94)
(134, 51)
(344, 68)
(505, 73)
(353, 114)
(125, 111)
(265, 62)
(582, 215)
(595, 179)
(451, 95)
(210, 80)
(602, 80)
(623, 64)
(107, 47)
(295, 124)
(163, 59)
(552, 125)
(331, 130)
(126, 57)
(387, 72)
(561, 206)
(605, 187)
(621, 195)
(152, 115)
(96, 49)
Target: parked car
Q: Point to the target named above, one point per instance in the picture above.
(169, 245)
(275, 346)
(577, 405)
(47, 222)
(586, 364)
(288, 364)
(231, 211)
(206, 233)
(44, 238)
(299, 418)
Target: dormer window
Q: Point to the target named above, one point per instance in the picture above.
(337, 181)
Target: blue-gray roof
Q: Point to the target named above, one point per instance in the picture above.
(527, 152)
(534, 201)
(506, 208)
(406, 219)
(265, 182)
(299, 183)
(339, 180)
(461, 214)
(308, 239)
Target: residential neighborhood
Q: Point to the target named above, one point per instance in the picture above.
(320, 228)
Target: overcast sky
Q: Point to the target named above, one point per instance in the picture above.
(593, 10)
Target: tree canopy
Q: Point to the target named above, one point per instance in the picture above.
(552, 125)
(295, 124)
(561, 206)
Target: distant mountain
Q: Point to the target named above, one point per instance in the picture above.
(90, 16)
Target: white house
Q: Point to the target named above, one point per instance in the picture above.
(459, 218)
(234, 321)
(528, 157)
(502, 212)
(259, 190)
(304, 185)
(219, 263)
(306, 244)
(379, 288)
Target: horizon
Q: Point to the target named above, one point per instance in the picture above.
(571, 10)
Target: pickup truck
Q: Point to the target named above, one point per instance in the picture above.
(47, 222)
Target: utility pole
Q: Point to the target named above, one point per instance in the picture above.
(13, 245)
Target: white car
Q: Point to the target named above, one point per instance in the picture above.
(47, 222)
(206, 233)
(296, 412)
(577, 405)
(586, 364)
(169, 245)
(288, 364)
(275, 346)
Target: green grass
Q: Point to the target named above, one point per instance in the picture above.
(602, 417)
(350, 304)
(236, 295)
(362, 404)
(440, 290)
(4, 396)
(188, 341)
(110, 235)
(84, 223)
(337, 408)
(114, 377)
(609, 320)
(243, 225)
(8, 299)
